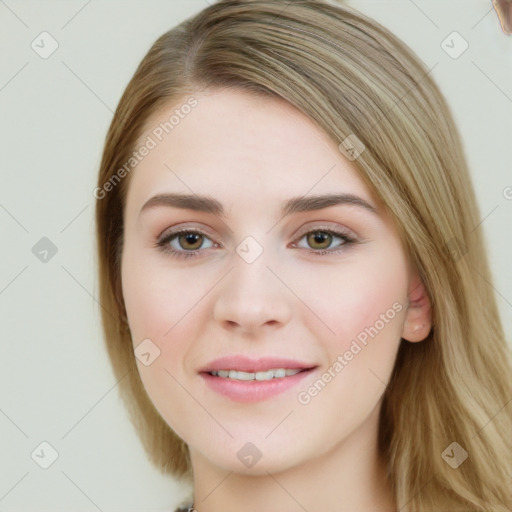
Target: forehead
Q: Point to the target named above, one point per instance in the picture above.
(234, 144)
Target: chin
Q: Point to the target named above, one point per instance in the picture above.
(258, 458)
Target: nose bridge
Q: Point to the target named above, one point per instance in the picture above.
(251, 295)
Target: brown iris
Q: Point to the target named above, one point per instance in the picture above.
(319, 237)
(195, 239)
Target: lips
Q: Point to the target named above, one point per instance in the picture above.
(248, 365)
(248, 380)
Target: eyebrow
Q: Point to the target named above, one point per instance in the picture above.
(294, 205)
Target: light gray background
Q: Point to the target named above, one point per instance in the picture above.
(57, 385)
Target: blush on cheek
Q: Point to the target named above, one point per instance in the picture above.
(368, 319)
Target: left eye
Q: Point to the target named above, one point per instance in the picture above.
(324, 238)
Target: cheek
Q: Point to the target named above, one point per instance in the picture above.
(365, 307)
(161, 308)
(163, 305)
(156, 298)
(363, 296)
(144, 305)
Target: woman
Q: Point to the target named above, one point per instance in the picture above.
(255, 131)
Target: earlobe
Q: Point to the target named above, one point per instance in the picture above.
(418, 320)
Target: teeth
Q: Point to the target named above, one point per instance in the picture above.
(269, 374)
(277, 373)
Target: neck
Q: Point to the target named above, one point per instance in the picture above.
(349, 477)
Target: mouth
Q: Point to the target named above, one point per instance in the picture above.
(274, 373)
(243, 380)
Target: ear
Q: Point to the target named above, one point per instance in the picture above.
(418, 320)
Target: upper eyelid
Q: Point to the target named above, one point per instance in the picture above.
(325, 227)
(174, 231)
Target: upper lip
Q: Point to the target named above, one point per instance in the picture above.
(245, 364)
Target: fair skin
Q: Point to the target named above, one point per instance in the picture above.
(252, 154)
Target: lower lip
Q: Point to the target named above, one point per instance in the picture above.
(253, 390)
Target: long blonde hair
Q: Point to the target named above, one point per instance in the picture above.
(352, 77)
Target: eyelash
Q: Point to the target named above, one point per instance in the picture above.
(163, 243)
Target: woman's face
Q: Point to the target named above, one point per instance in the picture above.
(265, 278)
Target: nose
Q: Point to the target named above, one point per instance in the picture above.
(251, 297)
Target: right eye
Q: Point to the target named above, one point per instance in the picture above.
(183, 238)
